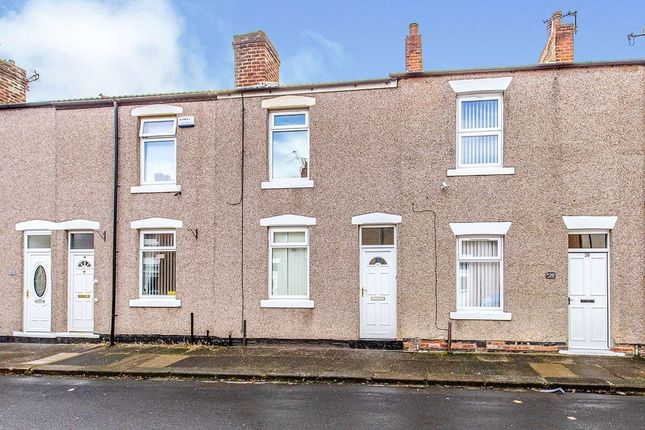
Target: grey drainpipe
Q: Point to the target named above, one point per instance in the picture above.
(115, 189)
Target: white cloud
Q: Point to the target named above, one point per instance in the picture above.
(82, 48)
(315, 61)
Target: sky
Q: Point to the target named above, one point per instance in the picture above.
(83, 48)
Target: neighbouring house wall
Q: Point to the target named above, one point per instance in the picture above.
(575, 136)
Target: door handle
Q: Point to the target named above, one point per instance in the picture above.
(569, 298)
(363, 291)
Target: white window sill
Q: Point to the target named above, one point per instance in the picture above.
(481, 171)
(155, 303)
(481, 315)
(287, 303)
(164, 188)
(281, 183)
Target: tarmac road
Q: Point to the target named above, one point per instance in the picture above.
(70, 403)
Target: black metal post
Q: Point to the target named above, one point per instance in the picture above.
(115, 189)
(192, 327)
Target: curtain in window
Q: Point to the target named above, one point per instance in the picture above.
(289, 272)
(479, 114)
(479, 281)
(479, 149)
(159, 161)
(159, 273)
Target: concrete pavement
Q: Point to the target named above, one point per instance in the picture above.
(327, 363)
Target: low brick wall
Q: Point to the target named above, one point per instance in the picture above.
(481, 346)
(630, 349)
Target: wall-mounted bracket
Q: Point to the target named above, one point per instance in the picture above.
(195, 232)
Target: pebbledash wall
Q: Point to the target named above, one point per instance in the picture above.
(573, 132)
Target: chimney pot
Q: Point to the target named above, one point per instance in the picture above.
(413, 50)
(559, 44)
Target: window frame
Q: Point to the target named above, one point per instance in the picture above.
(272, 128)
(273, 245)
(158, 119)
(360, 236)
(497, 131)
(464, 259)
(590, 231)
(143, 248)
(153, 137)
(143, 160)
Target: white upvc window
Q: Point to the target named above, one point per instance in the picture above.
(158, 264)
(289, 161)
(158, 153)
(480, 131)
(480, 274)
(480, 270)
(288, 263)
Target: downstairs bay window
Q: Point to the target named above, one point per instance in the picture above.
(480, 271)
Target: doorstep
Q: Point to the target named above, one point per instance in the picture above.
(592, 352)
(52, 335)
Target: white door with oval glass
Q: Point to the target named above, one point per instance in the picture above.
(81, 282)
(378, 283)
(38, 307)
(588, 292)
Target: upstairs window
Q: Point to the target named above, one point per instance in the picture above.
(289, 146)
(158, 151)
(479, 131)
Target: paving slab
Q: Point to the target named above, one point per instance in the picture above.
(552, 370)
(317, 363)
(593, 371)
(163, 360)
(54, 358)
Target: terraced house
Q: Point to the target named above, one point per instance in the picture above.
(504, 204)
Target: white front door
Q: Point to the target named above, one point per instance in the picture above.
(378, 293)
(588, 317)
(38, 307)
(81, 291)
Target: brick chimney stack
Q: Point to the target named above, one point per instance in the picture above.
(256, 60)
(413, 54)
(13, 83)
(559, 45)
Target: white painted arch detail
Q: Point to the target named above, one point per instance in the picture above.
(78, 224)
(74, 224)
(464, 86)
(36, 224)
(590, 222)
(288, 102)
(476, 228)
(287, 220)
(158, 109)
(376, 218)
(156, 223)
